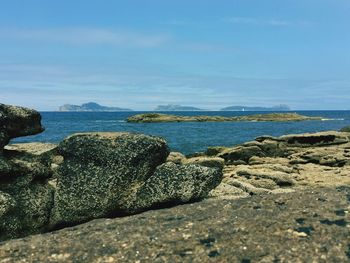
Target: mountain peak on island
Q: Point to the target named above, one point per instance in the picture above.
(174, 107)
(90, 106)
(280, 107)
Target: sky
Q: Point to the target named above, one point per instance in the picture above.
(205, 53)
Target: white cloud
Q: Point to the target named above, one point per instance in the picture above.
(85, 36)
(277, 22)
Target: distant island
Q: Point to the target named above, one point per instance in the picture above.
(90, 106)
(247, 108)
(173, 107)
(157, 117)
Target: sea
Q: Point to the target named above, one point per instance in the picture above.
(186, 137)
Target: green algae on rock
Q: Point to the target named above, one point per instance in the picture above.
(159, 117)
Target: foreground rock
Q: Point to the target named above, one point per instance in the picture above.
(101, 173)
(126, 176)
(87, 176)
(311, 225)
(158, 117)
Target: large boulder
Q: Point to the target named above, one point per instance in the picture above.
(18, 121)
(101, 173)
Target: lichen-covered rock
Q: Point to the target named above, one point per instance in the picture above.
(18, 121)
(101, 173)
(25, 197)
(173, 184)
(26, 194)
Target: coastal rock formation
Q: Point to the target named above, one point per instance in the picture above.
(310, 225)
(158, 117)
(284, 164)
(17, 122)
(87, 176)
(25, 196)
(126, 176)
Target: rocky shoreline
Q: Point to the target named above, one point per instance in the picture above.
(159, 117)
(276, 199)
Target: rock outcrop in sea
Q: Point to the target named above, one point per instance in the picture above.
(159, 117)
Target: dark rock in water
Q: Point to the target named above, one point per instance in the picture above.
(345, 129)
(101, 173)
(18, 121)
(257, 229)
(176, 184)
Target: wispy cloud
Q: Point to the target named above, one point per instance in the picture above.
(85, 36)
(277, 22)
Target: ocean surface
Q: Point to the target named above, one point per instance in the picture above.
(183, 137)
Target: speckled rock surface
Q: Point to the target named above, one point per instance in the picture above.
(173, 184)
(101, 173)
(18, 121)
(23, 179)
(25, 197)
(306, 226)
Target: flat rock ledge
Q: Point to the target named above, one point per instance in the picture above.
(159, 117)
(310, 225)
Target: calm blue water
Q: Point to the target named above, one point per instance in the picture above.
(183, 137)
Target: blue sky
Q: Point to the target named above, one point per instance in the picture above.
(210, 54)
